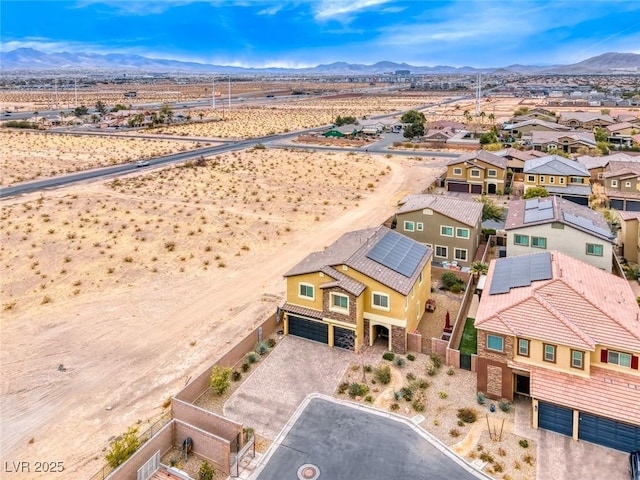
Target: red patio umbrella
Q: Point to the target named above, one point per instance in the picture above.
(447, 321)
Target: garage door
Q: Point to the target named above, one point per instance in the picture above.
(617, 204)
(343, 338)
(633, 206)
(476, 188)
(309, 329)
(555, 418)
(458, 187)
(609, 433)
(578, 200)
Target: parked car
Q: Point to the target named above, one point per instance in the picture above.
(634, 465)
(142, 163)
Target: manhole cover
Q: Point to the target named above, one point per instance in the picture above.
(308, 471)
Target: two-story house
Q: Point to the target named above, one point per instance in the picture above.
(525, 127)
(553, 223)
(566, 335)
(629, 235)
(622, 185)
(568, 142)
(476, 172)
(560, 176)
(367, 284)
(585, 120)
(449, 225)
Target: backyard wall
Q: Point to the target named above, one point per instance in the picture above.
(205, 444)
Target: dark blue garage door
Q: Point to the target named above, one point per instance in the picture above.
(617, 204)
(555, 418)
(633, 206)
(343, 338)
(609, 433)
(578, 200)
(309, 329)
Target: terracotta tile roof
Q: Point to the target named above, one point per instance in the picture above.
(579, 306)
(584, 117)
(594, 222)
(298, 310)
(482, 155)
(622, 168)
(348, 284)
(539, 137)
(352, 248)
(468, 212)
(625, 215)
(618, 126)
(555, 165)
(515, 153)
(536, 121)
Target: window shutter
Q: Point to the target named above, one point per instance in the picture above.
(603, 356)
(634, 362)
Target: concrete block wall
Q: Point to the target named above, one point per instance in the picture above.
(205, 420)
(205, 445)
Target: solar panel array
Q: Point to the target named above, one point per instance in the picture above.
(514, 272)
(397, 252)
(586, 224)
(536, 210)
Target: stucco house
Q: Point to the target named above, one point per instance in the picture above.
(585, 120)
(560, 176)
(568, 142)
(566, 335)
(518, 129)
(622, 185)
(476, 172)
(629, 235)
(449, 225)
(368, 284)
(553, 223)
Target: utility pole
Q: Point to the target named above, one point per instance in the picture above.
(76, 91)
(478, 94)
(229, 94)
(213, 93)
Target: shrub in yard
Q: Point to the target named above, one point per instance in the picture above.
(394, 407)
(431, 370)
(418, 403)
(481, 398)
(528, 459)
(502, 452)
(436, 360)
(422, 383)
(368, 399)
(245, 367)
(399, 361)
(368, 368)
(454, 432)
(449, 279)
(451, 371)
(524, 443)
(236, 376)
(504, 404)
(342, 387)
(388, 356)
(219, 380)
(498, 467)
(443, 394)
(411, 377)
(382, 374)
(467, 415)
(252, 357)
(271, 342)
(411, 357)
(406, 393)
(206, 471)
(487, 457)
(123, 447)
(261, 348)
(457, 288)
(358, 389)
(461, 423)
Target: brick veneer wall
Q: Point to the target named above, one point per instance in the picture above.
(398, 339)
(205, 445)
(366, 332)
(484, 352)
(326, 305)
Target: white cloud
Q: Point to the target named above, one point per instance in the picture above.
(326, 9)
(271, 10)
(138, 7)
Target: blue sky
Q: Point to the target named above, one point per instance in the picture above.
(300, 33)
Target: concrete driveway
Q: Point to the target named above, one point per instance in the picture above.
(338, 440)
(279, 383)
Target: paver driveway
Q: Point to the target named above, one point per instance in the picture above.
(280, 382)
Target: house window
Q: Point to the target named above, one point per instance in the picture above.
(457, 171)
(539, 242)
(406, 303)
(409, 226)
(531, 178)
(576, 180)
(420, 279)
(339, 303)
(619, 358)
(380, 300)
(541, 179)
(552, 179)
(614, 183)
(306, 291)
(441, 251)
(462, 232)
(523, 347)
(446, 231)
(475, 173)
(561, 180)
(460, 254)
(522, 240)
(577, 359)
(495, 342)
(492, 172)
(420, 226)
(600, 175)
(627, 184)
(549, 353)
(594, 249)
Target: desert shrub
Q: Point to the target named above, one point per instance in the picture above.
(421, 383)
(342, 387)
(451, 371)
(252, 357)
(399, 361)
(502, 452)
(418, 403)
(411, 357)
(406, 393)
(436, 360)
(271, 342)
(236, 376)
(368, 399)
(368, 368)
(461, 423)
(480, 397)
(524, 443)
(449, 280)
(442, 394)
(505, 405)
(431, 370)
(261, 348)
(457, 288)
(487, 457)
(382, 374)
(454, 432)
(206, 471)
(355, 367)
(394, 407)
(123, 447)
(219, 380)
(411, 377)
(498, 467)
(467, 415)
(388, 356)
(528, 459)
(245, 367)
(358, 389)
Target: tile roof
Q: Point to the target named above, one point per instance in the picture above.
(539, 137)
(594, 223)
(618, 126)
(515, 153)
(622, 168)
(621, 401)
(482, 155)
(581, 306)
(352, 248)
(348, 284)
(626, 215)
(298, 310)
(555, 165)
(536, 121)
(584, 117)
(468, 212)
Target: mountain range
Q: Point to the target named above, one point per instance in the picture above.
(28, 59)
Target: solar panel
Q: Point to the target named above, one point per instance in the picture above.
(537, 215)
(397, 252)
(545, 205)
(529, 204)
(514, 272)
(586, 224)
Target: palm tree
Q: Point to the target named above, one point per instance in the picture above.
(467, 116)
(201, 115)
(478, 268)
(492, 118)
(482, 117)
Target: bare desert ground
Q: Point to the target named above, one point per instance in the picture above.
(135, 284)
(29, 156)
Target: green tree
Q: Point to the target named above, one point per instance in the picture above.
(80, 111)
(219, 380)
(604, 147)
(101, 107)
(488, 137)
(492, 118)
(166, 112)
(490, 209)
(600, 134)
(347, 120)
(412, 116)
(122, 448)
(521, 111)
(534, 192)
(413, 130)
(206, 471)
(467, 116)
(118, 107)
(201, 115)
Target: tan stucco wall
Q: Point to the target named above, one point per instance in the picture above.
(563, 358)
(629, 235)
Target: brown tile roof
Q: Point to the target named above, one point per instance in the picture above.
(481, 155)
(298, 310)
(595, 223)
(622, 168)
(580, 306)
(352, 248)
(348, 284)
(584, 117)
(468, 212)
(539, 137)
(625, 215)
(618, 126)
(515, 153)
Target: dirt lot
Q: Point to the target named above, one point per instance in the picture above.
(92, 282)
